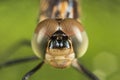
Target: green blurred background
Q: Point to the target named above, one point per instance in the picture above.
(101, 19)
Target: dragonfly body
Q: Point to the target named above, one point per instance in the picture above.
(59, 38)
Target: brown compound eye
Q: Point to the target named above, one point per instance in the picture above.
(41, 36)
(74, 29)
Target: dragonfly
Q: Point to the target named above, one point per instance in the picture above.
(59, 38)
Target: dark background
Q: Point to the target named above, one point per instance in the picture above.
(101, 19)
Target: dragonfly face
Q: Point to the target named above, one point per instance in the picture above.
(59, 51)
(59, 41)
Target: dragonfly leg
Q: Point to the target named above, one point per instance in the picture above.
(28, 74)
(17, 61)
(79, 67)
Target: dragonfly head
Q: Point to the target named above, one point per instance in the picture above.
(59, 41)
